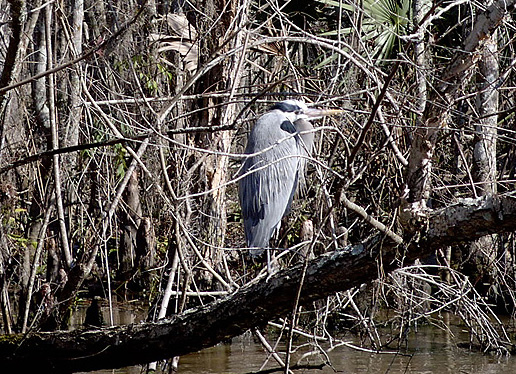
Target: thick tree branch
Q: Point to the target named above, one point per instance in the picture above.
(255, 304)
(485, 25)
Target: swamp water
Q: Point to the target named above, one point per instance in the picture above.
(430, 350)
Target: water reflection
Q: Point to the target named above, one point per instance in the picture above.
(430, 350)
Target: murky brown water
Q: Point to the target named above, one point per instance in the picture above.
(429, 351)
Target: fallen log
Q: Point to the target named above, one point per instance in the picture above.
(254, 304)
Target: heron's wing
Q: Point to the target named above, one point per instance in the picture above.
(267, 191)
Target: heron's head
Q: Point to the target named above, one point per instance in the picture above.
(296, 109)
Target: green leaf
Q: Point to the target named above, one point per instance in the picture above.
(326, 61)
(384, 22)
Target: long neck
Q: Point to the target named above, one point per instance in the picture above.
(303, 125)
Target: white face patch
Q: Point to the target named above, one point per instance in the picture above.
(298, 114)
(292, 116)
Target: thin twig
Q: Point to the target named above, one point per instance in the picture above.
(371, 220)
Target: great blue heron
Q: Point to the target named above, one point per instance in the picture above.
(280, 143)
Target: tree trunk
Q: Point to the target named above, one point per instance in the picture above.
(486, 132)
(145, 251)
(39, 202)
(130, 223)
(73, 113)
(483, 252)
(223, 77)
(12, 57)
(71, 137)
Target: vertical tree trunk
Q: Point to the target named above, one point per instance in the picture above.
(130, 223)
(484, 171)
(421, 7)
(145, 250)
(39, 200)
(17, 10)
(484, 154)
(7, 316)
(21, 33)
(429, 119)
(71, 137)
(54, 130)
(221, 78)
(74, 112)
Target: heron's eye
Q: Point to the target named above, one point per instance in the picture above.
(298, 112)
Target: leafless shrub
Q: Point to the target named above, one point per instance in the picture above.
(420, 294)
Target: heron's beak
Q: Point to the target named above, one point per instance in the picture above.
(313, 113)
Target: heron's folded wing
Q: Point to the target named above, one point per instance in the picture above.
(266, 193)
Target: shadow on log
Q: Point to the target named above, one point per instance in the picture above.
(254, 304)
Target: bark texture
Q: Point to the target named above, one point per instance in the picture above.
(482, 254)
